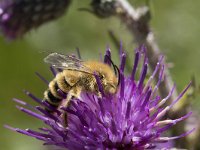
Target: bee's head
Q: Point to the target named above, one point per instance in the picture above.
(109, 82)
(108, 77)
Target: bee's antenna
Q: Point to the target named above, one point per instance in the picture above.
(119, 77)
(114, 66)
(116, 69)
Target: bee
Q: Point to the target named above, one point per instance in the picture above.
(77, 76)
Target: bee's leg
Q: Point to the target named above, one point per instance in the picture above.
(72, 93)
(64, 119)
(66, 104)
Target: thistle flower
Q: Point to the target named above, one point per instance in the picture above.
(19, 16)
(130, 119)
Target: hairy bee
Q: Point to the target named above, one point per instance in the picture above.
(77, 76)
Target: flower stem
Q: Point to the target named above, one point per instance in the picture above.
(137, 22)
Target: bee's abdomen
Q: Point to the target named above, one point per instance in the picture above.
(52, 99)
(52, 95)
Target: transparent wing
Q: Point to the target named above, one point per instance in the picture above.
(66, 62)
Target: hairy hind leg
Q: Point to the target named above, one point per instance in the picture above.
(74, 93)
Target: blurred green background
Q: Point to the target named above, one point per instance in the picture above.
(176, 25)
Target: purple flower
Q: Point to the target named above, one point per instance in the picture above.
(130, 119)
(19, 16)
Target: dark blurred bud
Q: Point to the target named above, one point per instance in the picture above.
(19, 16)
(103, 8)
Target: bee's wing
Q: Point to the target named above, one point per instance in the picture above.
(66, 62)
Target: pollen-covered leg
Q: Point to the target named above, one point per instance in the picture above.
(74, 93)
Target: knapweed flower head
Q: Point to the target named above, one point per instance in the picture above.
(19, 16)
(130, 119)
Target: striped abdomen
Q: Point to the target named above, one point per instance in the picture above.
(52, 94)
